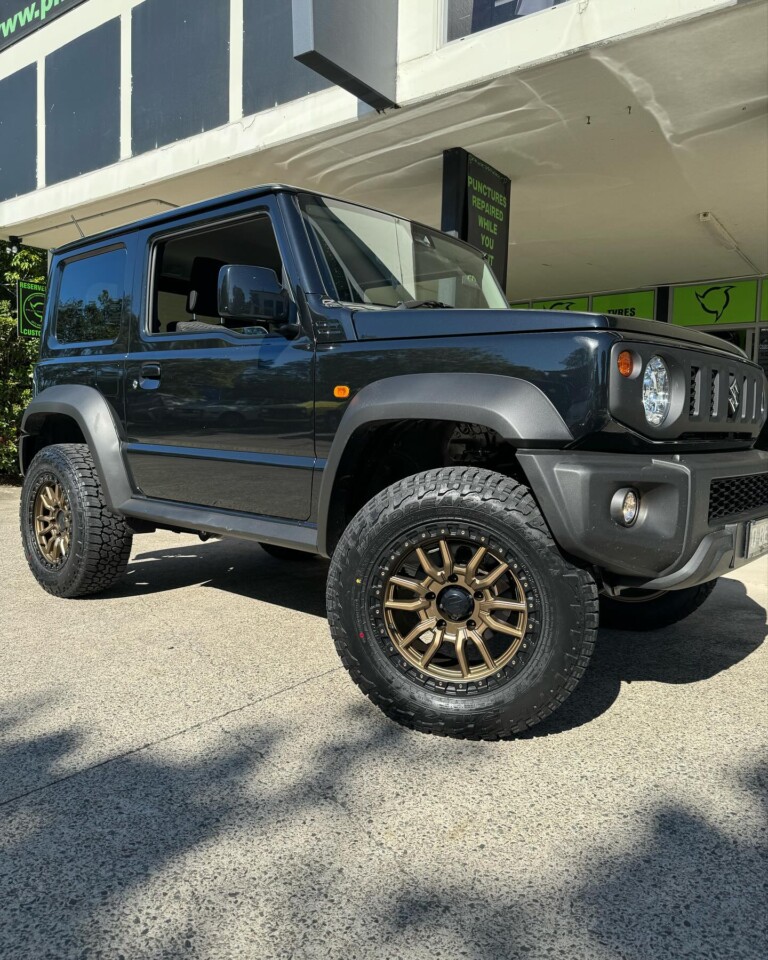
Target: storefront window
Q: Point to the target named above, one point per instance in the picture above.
(469, 16)
(762, 351)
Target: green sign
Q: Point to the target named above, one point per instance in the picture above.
(18, 18)
(722, 302)
(764, 302)
(30, 298)
(576, 304)
(641, 303)
(488, 213)
(476, 206)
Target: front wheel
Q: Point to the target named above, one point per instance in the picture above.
(453, 609)
(642, 610)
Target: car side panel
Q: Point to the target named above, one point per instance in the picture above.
(569, 369)
(228, 424)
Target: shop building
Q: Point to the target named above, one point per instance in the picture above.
(635, 135)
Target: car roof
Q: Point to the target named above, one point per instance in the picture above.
(168, 216)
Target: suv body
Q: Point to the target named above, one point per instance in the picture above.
(275, 405)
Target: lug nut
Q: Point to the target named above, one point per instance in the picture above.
(478, 595)
(440, 624)
(471, 624)
(429, 596)
(453, 578)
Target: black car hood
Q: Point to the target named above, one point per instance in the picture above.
(393, 324)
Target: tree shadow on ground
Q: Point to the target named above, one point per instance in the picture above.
(245, 848)
(688, 889)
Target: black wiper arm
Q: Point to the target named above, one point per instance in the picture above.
(428, 304)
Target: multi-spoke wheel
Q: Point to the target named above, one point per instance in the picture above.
(454, 610)
(53, 522)
(73, 542)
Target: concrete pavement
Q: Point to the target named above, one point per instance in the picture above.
(186, 771)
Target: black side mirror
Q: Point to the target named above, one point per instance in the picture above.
(252, 293)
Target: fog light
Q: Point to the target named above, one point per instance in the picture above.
(625, 506)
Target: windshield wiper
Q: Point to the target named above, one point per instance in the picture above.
(428, 304)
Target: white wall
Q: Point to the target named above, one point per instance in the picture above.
(428, 68)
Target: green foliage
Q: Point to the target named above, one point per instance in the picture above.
(17, 354)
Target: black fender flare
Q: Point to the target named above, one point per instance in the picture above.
(94, 416)
(516, 409)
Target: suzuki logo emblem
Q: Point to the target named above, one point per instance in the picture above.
(733, 396)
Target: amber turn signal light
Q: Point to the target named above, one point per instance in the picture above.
(626, 363)
(341, 392)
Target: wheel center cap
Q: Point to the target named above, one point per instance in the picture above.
(455, 603)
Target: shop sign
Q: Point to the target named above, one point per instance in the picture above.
(640, 303)
(720, 302)
(476, 206)
(764, 302)
(30, 300)
(19, 18)
(575, 304)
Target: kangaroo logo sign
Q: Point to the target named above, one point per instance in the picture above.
(30, 298)
(577, 304)
(17, 19)
(715, 300)
(715, 303)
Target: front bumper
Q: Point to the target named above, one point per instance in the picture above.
(677, 540)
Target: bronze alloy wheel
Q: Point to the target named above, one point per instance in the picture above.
(53, 523)
(455, 609)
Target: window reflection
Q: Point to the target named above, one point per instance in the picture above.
(90, 303)
(470, 16)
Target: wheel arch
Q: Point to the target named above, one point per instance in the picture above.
(517, 410)
(77, 413)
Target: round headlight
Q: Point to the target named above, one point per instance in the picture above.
(656, 391)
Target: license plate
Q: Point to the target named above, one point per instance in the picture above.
(757, 538)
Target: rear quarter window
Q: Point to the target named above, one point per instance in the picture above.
(91, 293)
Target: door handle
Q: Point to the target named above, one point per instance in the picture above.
(150, 371)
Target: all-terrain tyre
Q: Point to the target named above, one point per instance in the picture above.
(654, 611)
(453, 609)
(74, 544)
(287, 554)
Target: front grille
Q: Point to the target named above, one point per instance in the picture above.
(724, 394)
(733, 496)
(714, 395)
(693, 393)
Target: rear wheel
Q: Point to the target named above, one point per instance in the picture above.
(453, 609)
(644, 610)
(74, 544)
